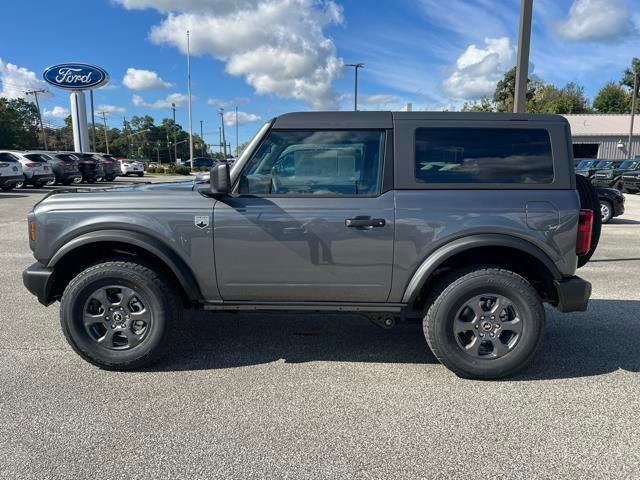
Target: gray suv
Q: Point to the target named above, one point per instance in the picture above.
(469, 221)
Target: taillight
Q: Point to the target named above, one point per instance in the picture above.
(32, 165)
(585, 228)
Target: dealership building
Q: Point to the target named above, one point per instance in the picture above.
(604, 136)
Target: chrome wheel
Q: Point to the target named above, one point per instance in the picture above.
(605, 211)
(487, 326)
(117, 317)
(50, 182)
(77, 180)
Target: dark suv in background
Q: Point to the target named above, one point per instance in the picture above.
(588, 168)
(110, 165)
(613, 177)
(90, 167)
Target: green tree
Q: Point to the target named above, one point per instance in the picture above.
(484, 105)
(548, 98)
(612, 98)
(505, 92)
(18, 124)
(629, 73)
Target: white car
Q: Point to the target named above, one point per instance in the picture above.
(37, 172)
(10, 172)
(131, 167)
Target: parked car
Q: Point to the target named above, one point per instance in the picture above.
(90, 167)
(588, 168)
(36, 171)
(11, 175)
(110, 165)
(613, 177)
(131, 167)
(449, 225)
(66, 172)
(202, 162)
(611, 203)
(631, 182)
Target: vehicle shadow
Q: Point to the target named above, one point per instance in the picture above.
(11, 195)
(602, 340)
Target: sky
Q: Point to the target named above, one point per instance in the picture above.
(269, 57)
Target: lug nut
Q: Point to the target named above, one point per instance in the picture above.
(477, 326)
(492, 335)
(482, 334)
(493, 317)
(113, 325)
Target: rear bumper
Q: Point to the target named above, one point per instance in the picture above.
(573, 294)
(39, 279)
(69, 176)
(44, 178)
(11, 180)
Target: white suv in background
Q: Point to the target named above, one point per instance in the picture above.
(131, 167)
(10, 172)
(36, 172)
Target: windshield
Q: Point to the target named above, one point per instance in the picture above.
(586, 164)
(604, 164)
(629, 164)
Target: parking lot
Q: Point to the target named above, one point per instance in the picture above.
(321, 396)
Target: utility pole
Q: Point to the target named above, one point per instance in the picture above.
(522, 67)
(35, 93)
(634, 103)
(93, 122)
(356, 67)
(236, 131)
(189, 88)
(224, 138)
(220, 139)
(201, 140)
(124, 127)
(175, 145)
(106, 135)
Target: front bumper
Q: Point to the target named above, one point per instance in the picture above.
(573, 294)
(39, 280)
(603, 182)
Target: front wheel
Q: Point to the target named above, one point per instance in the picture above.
(118, 314)
(485, 323)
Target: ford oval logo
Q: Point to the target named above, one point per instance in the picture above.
(76, 76)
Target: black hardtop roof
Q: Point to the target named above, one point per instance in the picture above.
(386, 119)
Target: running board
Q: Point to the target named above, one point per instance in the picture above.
(306, 306)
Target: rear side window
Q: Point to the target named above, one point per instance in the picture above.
(7, 157)
(38, 157)
(483, 155)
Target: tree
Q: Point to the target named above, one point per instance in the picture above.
(612, 98)
(484, 105)
(242, 147)
(629, 73)
(18, 124)
(505, 92)
(548, 98)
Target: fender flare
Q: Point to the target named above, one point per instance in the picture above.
(448, 250)
(152, 245)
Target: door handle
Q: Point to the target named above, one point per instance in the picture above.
(365, 222)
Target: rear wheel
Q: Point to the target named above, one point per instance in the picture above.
(6, 188)
(118, 314)
(606, 211)
(485, 323)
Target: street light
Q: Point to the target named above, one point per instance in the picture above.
(355, 66)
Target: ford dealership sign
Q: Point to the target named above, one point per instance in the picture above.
(76, 76)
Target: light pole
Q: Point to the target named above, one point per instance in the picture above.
(356, 67)
(35, 93)
(634, 102)
(106, 135)
(224, 138)
(189, 88)
(175, 145)
(522, 68)
(201, 140)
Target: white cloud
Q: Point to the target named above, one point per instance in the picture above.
(216, 102)
(56, 112)
(278, 47)
(243, 117)
(136, 79)
(477, 70)
(15, 81)
(378, 99)
(597, 20)
(178, 98)
(110, 109)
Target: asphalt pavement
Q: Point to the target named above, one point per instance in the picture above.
(321, 396)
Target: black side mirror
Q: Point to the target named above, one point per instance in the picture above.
(220, 179)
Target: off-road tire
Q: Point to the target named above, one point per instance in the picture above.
(589, 200)
(453, 291)
(158, 292)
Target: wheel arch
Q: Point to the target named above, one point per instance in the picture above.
(90, 247)
(503, 250)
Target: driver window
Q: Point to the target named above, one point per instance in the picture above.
(321, 162)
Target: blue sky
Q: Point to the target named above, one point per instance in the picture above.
(270, 57)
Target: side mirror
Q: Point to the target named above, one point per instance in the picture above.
(220, 179)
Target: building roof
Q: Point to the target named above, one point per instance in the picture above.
(614, 125)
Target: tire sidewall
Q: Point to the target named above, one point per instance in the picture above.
(450, 302)
(71, 310)
(610, 207)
